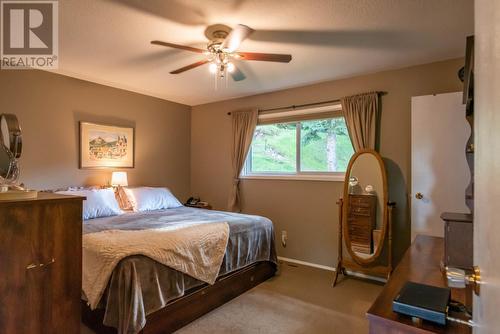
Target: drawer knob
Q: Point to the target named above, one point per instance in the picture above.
(46, 264)
(40, 265)
(31, 266)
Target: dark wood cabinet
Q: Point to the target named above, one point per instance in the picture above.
(459, 227)
(362, 221)
(41, 264)
(458, 240)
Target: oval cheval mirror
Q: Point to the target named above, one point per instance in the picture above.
(364, 210)
(365, 214)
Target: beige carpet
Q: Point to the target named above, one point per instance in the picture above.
(299, 300)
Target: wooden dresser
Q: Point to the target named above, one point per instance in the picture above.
(420, 264)
(41, 265)
(362, 221)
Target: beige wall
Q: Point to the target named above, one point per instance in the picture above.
(307, 209)
(49, 107)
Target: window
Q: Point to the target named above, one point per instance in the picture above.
(310, 148)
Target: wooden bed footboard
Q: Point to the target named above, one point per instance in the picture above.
(183, 310)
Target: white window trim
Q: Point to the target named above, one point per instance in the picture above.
(329, 177)
(299, 175)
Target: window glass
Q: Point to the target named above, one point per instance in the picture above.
(274, 149)
(324, 145)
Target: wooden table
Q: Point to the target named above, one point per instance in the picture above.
(421, 264)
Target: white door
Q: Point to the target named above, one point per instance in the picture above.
(439, 171)
(487, 164)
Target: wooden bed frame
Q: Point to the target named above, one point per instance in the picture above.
(195, 303)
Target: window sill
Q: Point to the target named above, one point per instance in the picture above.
(328, 178)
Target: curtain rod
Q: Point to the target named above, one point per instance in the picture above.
(305, 105)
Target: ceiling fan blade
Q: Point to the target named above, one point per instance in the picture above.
(238, 75)
(189, 67)
(280, 58)
(235, 37)
(177, 46)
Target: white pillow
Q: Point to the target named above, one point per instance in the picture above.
(149, 198)
(99, 202)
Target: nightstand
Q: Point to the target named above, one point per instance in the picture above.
(200, 206)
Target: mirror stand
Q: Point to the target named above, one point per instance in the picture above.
(346, 264)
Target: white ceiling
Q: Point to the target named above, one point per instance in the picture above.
(107, 41)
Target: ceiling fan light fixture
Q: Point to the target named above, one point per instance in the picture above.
(230, 67)
(213, 68)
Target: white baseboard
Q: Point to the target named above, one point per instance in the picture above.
(320, 266)
(370, 277)
(304, 263)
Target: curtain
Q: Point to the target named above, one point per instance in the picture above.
(361, 114)
(244, 123)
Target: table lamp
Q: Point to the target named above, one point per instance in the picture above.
(119, 179)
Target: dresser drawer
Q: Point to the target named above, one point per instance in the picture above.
(360, 211)
(360, 202)
(362, 199)
(359, 233)
(365, 221)
(361, 240)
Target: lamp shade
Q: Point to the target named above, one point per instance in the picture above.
(119, 179)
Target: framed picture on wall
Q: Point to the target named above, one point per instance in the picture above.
(105, 146)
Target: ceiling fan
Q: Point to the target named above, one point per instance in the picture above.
(222, 49)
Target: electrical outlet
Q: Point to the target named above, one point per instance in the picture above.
(284, 238)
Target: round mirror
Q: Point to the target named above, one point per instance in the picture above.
(364, 215)
(10, 148)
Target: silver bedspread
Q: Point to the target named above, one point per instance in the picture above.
(140, 286)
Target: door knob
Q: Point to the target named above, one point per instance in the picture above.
(419, 196)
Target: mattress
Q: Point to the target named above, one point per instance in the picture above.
(140, 286)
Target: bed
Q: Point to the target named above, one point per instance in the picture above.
(144, 296)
